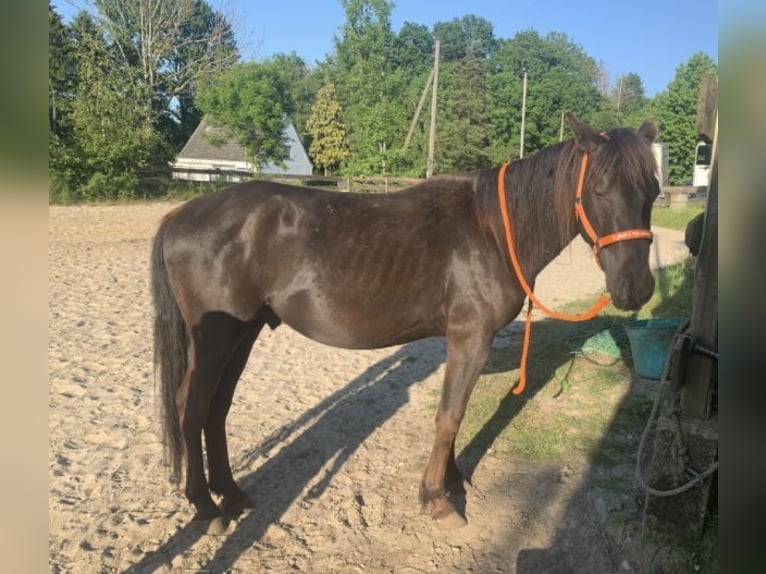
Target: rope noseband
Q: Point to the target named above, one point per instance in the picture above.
(598, 244)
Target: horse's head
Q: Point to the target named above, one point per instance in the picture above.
(619, 188)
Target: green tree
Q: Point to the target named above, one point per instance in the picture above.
(462, 140)
(301, 85)
(250, 103)
(413, 62)
(113, 136)
(629, 99)
(621, 104)
(60, 72)
(414, 48)
(62, 161)
(329, 145)
(676, 111)
(366, 35)
(172, 45)
(369, 86)
(464, 35)
(561, 76)
(204, 44)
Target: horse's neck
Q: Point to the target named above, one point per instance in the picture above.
(548, 230)
(552, 244)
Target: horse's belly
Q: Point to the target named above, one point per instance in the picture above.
(356, 326)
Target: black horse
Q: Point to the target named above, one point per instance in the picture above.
(369, 271)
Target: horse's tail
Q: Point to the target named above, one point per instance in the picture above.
(170, 353)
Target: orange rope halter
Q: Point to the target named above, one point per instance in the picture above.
(598, 243)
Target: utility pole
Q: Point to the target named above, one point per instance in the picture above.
(432, 132)
(561, 129)
(417, 110)
(523, 114)
(619, 96)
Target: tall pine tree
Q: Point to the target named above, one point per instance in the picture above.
(462, 141)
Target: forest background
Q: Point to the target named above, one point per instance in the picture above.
(129, 81)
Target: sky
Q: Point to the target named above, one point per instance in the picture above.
(648, 37)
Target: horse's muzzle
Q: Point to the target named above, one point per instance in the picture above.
(630, 295)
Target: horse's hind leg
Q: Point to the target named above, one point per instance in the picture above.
(213, 342)
(221, 480)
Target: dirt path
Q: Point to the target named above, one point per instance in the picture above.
(330, 442)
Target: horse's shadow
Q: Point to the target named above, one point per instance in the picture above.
(327, 435)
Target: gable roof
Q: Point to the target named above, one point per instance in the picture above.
(200, 151)
(199, 147)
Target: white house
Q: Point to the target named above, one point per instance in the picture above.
(201, 160)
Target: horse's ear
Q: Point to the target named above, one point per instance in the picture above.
(585, 137)
(648, 131)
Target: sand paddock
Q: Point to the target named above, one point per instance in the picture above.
(330, 443)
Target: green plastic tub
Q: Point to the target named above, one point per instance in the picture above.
(650, 341)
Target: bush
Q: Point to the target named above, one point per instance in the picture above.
(103, 186)
(59, 190)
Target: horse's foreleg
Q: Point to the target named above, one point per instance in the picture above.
(221, 480)
(466, 355)
(453, 478)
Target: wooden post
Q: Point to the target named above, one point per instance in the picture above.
(703, 327)
(382, 148)
(432, 131)
(707, 107)
(690, 441)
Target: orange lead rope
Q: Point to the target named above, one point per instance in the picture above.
(600, 304)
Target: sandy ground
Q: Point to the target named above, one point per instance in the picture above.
(330, 443)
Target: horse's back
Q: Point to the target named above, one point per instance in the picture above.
(346, 269)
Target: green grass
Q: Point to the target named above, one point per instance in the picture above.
(575, 402)
(674, 218)
(581, 407)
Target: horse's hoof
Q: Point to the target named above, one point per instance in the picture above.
(451, 521)
(443, 513)
(236, 506)
(207, 513)
(216, 527)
